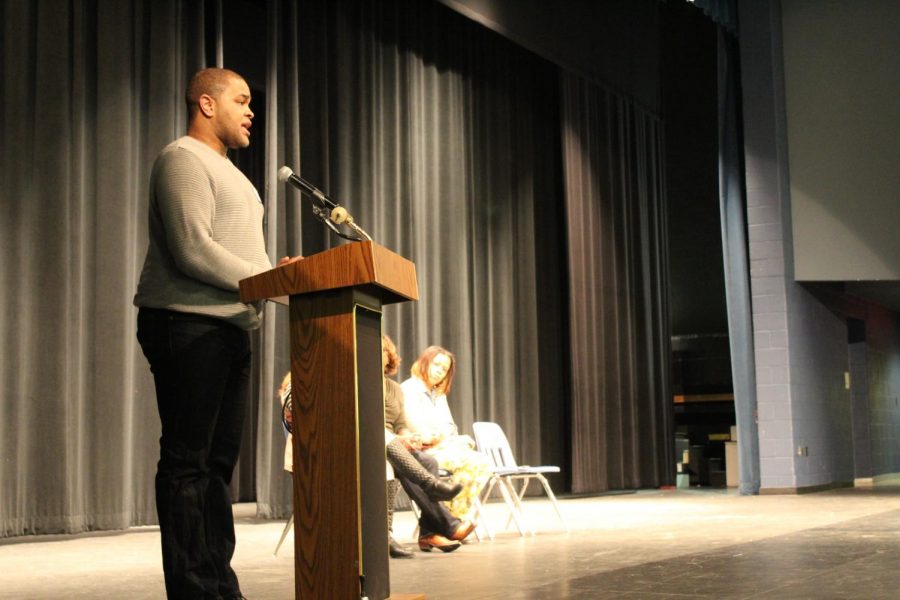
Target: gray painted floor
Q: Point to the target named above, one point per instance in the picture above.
(648, 545)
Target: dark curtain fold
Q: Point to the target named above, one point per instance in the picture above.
(91, 92)
(621, 402)
(287, 234)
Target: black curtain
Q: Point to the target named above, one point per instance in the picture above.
(622, 432)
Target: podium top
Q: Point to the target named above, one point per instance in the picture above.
(388, 276)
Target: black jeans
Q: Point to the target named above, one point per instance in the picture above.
(201, 368)
(435, 517)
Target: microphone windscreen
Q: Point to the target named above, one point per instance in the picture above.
(339, 214)
(284, 173)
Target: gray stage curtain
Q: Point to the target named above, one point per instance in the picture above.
(426, 127)
(621, 401)
(733, 210)
(91, 92)
(443, 140)
(284, 236)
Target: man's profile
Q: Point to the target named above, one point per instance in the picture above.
(205, 235)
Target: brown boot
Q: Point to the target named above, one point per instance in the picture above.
(427, 542)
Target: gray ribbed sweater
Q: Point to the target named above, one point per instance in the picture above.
(205, 235)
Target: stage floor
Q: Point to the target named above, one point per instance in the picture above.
(647, 545)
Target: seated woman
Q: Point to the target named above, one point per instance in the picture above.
(429, 419)
(416, 471)
(417, 474)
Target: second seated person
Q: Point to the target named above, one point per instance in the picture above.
(429, 419)
(416, 472)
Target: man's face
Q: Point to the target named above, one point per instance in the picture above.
(233, 115)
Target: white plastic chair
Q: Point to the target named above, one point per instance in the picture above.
(284, 532)
(492, 442)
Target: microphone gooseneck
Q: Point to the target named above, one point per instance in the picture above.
(330, 212)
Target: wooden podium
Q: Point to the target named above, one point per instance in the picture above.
(340, 511)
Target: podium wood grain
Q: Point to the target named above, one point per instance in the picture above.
(340, 527)
(364, 265)
(327, 541)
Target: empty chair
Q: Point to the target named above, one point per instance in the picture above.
(490, 439)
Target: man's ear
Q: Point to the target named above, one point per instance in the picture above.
(207, 105)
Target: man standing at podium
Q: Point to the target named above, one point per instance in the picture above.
(205, 234)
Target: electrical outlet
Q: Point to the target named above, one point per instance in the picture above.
(846, 380)
(802, 451)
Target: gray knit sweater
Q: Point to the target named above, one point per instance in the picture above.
(205, 235)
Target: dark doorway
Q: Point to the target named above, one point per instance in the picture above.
(701, 359)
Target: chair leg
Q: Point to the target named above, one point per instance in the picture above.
(518, 496)
(474, 515)
(486, 494)
(510, 516)
(508, 495)
(481, 519)
(287, 527)
(477, 516)
(552, 497)
(418, 514)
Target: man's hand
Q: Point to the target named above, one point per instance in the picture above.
(288, 259)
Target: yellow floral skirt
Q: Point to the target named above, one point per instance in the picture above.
(467, 466)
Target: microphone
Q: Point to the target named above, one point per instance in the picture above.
(338, 213)
(287, 175)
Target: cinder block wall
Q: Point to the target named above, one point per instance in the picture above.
(821, 405)
(859, 393)
(801, 347)
(883, 386)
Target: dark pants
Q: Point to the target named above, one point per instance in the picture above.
(435, 517)
(201, 368)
